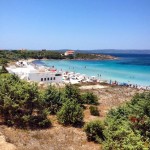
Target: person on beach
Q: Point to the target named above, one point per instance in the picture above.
(110, 82)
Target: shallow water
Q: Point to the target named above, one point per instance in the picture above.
(129, 68)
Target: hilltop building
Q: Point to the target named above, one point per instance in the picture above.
(69, 52)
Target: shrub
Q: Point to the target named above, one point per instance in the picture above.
(3, 69)
(94, 111)
(39, 122)
(20, 103)
(94, 131)
(89, 98)
(128, 127)
(71, 113)
(71, 91)
(53, 99)
(119, 135)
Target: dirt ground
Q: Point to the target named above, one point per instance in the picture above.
(68, 138)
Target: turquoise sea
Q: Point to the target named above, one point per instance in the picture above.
(129, 68)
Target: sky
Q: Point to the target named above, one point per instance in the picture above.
(75, 24)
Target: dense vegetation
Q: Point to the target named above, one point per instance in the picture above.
(89, 98)
(14, 55)
(86, 56)
(125, 128)
(23, 105)
(92, 56)
(71, 113)
(94, 131)
(94, 110)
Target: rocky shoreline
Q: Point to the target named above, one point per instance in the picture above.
(99, 58)
(96, 57)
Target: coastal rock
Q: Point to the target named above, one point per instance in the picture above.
(5, 145)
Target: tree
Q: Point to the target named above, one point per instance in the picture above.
(89, 98)
(3, 61)
(3, 70)
(71, 113)
(20, 103)
(53, 99)
(73, 92)
(94, 131)
(94, 111)
(119, 135)
(127, 127)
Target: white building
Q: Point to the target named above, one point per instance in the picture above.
(69, 52)
(35, 73)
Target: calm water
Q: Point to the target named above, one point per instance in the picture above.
(130, 68)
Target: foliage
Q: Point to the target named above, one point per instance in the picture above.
(119, 135)
(3, 61)
(39, 121)
(73, 92)
(128, 127)
(89, 98)
(87, 56)
(53, 99)
(3, 70)
(94, 111)
(94, 131)
(20, 103)
(140, 117)
(13, 55)
(71, 113)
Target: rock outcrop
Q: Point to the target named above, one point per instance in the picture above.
(4, 145)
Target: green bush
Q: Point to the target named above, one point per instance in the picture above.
(71, 91)
(20, 103)
(39, 121)
(53, 99)
(128, 126)
(94, 131)
(89, 98)
(119, 135)
(70, 114)
(3, 61)
(3, 69)
(94, 111)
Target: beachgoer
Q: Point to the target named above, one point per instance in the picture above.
(110, 82)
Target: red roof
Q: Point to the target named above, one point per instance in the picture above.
(70, 51)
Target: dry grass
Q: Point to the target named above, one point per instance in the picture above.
(111, 97)
(56, 138)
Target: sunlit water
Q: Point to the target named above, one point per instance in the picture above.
(129, 68)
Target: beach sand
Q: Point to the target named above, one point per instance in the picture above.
(90, 87)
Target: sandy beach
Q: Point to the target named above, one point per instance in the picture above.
(92, 87)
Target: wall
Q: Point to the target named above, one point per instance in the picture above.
(37, 77)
